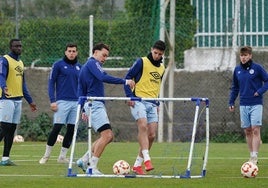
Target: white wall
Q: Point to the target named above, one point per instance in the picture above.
(206, 59)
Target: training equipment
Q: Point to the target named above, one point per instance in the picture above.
(121, 167)
(249, 170)
(185, 156)
(60, 139)
(18, 138)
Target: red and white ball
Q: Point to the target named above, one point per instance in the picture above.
(121, 167)
(60, 138)
(18, 138)
(249, 170)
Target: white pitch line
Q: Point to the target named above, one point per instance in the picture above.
(157, 158)
(258, 177)
(25, 175)
(25, 145)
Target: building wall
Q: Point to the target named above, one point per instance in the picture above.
(217, 59)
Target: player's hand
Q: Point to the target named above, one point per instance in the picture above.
(54, 107)
(256, 94)
(6, 92)
(231, 108)
(131, 103)
(131, 83)
(84, 116)
(33, 107)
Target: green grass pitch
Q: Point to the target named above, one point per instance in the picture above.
(223, 168)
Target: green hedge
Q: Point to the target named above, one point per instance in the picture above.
(44, 39)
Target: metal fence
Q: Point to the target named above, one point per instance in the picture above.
(227, 23)
(129, 38)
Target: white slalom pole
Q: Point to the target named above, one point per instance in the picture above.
(74, 139)
(188, 170)
(89, 169)
(207, 139)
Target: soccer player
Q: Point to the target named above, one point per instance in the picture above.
(147, 72)
(250, 81)
(62, 91)
(91, 83)
(13, 89)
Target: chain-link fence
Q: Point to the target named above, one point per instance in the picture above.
(130, 37)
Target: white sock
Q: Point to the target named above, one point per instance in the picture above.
(254, 154)
(146, 155)
(48, 150)
(139, 161)
(63, 152)
(5, 158)
(94, 162)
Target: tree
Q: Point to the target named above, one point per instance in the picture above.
(141, 7)
(45, 8)
(7, 8)
(185, 26)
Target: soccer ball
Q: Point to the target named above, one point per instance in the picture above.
(249, 170)
(60, 138)
(121, 167)
(18, 138)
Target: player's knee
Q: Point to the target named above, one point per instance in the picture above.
(110, 136)
(56, 128)
(70, 129)
(106, 133)
(107, 137)
(142, 128)
(152, 136)
(248, 131)
(255, 131)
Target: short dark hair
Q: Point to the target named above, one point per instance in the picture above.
(246, 50)
(11, 42)
(100, 46)
(160, 45)
(70, 45)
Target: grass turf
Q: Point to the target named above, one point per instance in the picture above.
(223, 168)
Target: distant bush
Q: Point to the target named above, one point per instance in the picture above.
(35, 130)
(39, 129)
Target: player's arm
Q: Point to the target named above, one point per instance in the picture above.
(234, 92)
(82, 86)
(264, 77)
(101, 75)
(27, 95)
(134, 73)
(3, 75)
(52, 87)
(52, 83)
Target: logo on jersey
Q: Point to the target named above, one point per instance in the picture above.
(251, 71)
(19, 70)
(156, 75)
